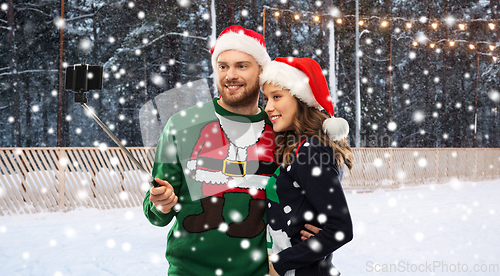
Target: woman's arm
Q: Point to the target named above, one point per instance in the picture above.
(318, 176)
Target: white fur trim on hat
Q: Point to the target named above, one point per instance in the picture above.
(336, 128)
(243, 43)
(291, 78)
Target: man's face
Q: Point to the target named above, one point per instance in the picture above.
(238, 78)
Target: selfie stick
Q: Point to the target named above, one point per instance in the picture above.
(81, 98)
(113, 137)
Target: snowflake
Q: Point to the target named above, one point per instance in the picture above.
(184, 3)
(378, 162)
(494, 96)
(223, 227)
(422, 162)
(339, 236)
(401, 175)
(287, 209)
(70, 232)
(82, 194)
(256, 255)
(308, 215)
(59, 22)
(322, 218)
(123, 195)
(315, 246)
(316, 171)
(126, 247)
(334, 271)
(245, 244)
(85, 44)
(392, 126)
(236, 216)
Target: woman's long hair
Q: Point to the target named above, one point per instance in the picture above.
(307, 123)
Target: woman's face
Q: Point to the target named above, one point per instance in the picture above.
(280, 106)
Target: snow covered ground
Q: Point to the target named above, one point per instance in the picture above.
(426, 230)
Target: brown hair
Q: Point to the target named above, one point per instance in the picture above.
(308, 122)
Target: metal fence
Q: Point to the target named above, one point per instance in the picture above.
(51, 179)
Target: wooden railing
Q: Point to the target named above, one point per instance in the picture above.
(52, 179)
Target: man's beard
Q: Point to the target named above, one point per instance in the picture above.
(246, 98)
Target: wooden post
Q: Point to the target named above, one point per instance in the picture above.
(264, 23)
(61, 166)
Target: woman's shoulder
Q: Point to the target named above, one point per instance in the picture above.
(311, 144)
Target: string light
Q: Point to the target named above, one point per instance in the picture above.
(384, 23)
(495, 59)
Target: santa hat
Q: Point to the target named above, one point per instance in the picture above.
(305, 80)
(240, 39)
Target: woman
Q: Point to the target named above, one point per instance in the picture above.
(305, 189)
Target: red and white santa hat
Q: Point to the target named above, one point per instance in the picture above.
(240, 39)
(305, 80)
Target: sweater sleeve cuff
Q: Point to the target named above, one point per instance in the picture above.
(281, 265)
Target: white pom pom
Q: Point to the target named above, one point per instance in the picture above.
(336, 128)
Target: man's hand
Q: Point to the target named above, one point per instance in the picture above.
(163, 197)
(306, 234)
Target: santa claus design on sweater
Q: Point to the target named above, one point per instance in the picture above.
(231, 156)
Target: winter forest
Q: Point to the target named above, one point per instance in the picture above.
(428, 70)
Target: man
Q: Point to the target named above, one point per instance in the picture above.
(213, 162)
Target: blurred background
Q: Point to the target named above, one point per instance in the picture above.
(428, 74)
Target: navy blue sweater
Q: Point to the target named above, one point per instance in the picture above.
(307, 191)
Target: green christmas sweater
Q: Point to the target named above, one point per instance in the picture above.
(218, 163)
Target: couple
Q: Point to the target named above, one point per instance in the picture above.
(222, 164)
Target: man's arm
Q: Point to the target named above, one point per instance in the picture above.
(159, 202)
(167, 171)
